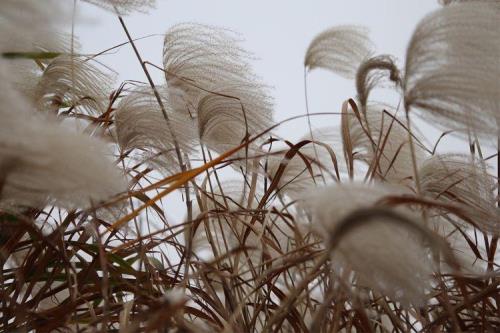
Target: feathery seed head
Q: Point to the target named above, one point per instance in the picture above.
(124, 7)
(452, 67)
(73, 82)
(339, 49)
(387, 257)
(48, 164)
(141, 125)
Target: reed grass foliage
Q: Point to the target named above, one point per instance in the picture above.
(340, 49)
(407, 275)
(358, 226)
(74, 82)
(28, 26)
(141, 126)
(451, 67)
(42, 160)
(123, 7)
(210, 79)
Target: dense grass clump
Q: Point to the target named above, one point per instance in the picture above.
(360, 227)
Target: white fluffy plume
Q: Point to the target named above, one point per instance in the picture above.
(458, 180)
(29, 26)
(370, 73)
(387, 257)
(41, 162)
(452, 67)
(196, 55)
(210, 78)
(141, 125)
(73, 82)
(450, 2)
(123, 7)
(339, 49)
(225, 121)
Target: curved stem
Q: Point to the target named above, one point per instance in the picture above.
(309, 124)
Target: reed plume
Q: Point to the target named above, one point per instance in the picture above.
(210, 78)
(404, 277)
(18, 19)
(451, 73)
(369, 74)
(44, 165)
(464, 182)
(339, 49)
(74, 83)
(124, 7)
(176, 205)
(140, 126)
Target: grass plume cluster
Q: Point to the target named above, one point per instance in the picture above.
(356, 227)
